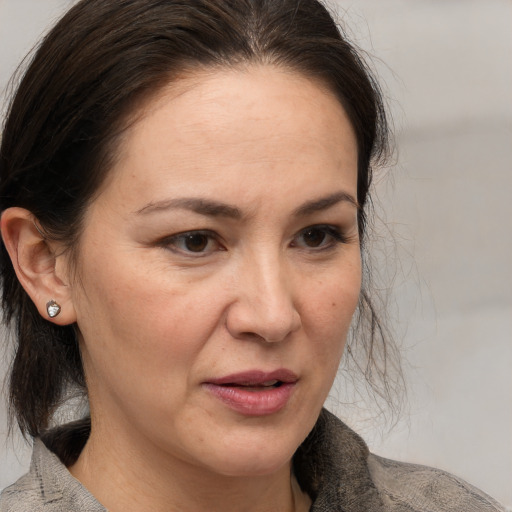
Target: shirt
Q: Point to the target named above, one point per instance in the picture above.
(333, 465)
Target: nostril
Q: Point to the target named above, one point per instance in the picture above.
(251, 336)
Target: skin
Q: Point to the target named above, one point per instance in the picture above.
(254, 290)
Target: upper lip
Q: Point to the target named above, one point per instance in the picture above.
(255, 377)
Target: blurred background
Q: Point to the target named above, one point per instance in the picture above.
(446, 70)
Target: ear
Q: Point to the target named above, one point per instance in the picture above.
(40, 267)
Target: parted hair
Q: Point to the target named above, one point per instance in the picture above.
(75, 98)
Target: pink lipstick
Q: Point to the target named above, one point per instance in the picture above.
(254, 393)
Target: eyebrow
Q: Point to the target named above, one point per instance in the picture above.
(324, 203)
(211, 208)
(205, 207)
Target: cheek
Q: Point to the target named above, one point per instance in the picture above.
(333, 298)
(142, 320)
(331, 304)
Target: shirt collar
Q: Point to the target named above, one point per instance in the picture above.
(331, 465)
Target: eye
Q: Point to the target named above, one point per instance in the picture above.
(318, 237)
(192, 242)
(195, 242)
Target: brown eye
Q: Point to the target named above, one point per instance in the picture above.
(313, 237)
(196, 242)
(319, 237)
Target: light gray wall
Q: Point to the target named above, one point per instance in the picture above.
(448, 202)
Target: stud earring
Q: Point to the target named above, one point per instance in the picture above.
(52, 308)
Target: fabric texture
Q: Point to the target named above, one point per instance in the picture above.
(336, 468)
(333, 465)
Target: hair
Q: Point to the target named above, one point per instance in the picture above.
(63, 125)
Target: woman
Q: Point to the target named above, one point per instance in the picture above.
(183, 191)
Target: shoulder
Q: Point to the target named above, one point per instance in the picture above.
(47, 487)
(335, 467)
(404, 486)
(22, 496)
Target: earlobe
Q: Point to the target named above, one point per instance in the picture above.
(34, 259)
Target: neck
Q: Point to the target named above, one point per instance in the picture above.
(127, 478)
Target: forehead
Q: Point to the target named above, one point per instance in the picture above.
(237, 127)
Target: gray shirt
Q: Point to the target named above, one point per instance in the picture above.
(333, 465)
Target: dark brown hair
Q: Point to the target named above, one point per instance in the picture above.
(85, 79)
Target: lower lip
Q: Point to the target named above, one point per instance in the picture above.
(253, 403)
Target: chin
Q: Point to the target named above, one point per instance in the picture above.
(243, 465)
(255, 455)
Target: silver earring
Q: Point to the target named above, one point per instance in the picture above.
(52, 308)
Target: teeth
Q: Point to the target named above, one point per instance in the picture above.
(270, 383)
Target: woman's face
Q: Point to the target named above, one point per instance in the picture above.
(219, 269)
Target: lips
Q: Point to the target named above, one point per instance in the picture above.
(256, 378)
(254, 393)
(256, 386)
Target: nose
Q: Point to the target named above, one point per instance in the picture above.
(264, 307)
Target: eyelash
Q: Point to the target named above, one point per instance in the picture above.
(332, 234)
(173, 241)
(335, 234)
